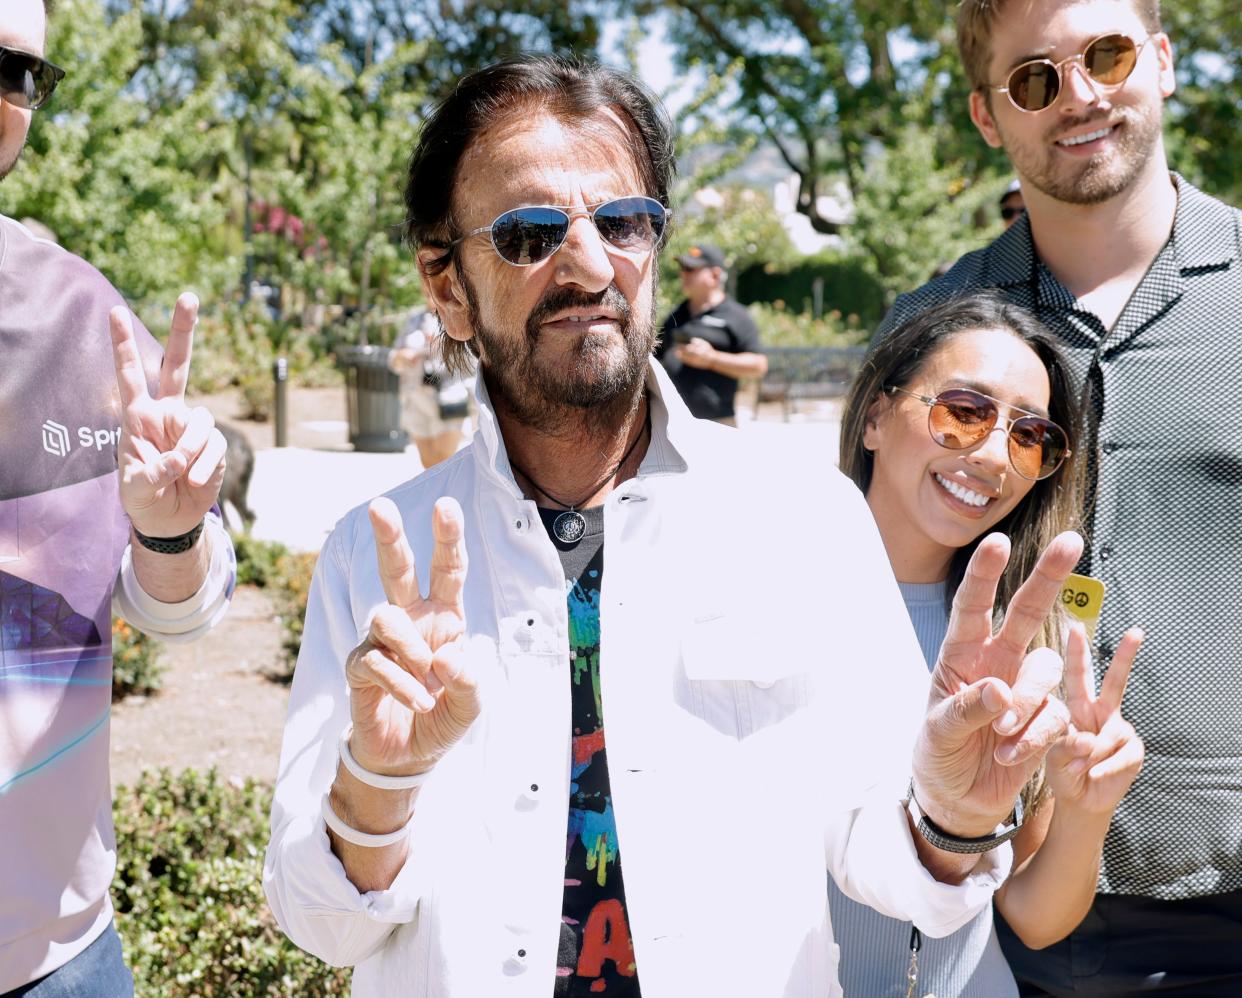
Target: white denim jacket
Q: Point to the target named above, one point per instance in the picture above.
(762, 687)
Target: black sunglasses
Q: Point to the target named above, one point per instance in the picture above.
(525, 236)
(1009, 212)
(27, 80)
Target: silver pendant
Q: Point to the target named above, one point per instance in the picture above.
(569, 527)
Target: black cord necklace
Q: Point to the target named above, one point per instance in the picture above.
(571, 525)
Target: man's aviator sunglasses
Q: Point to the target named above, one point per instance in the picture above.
(1108, 62)
(27, 80)
(960, 418)
(525, 236)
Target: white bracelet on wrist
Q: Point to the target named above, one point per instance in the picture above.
(364, 839)
(376, 780)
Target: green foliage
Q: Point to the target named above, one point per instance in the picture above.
(294, 572)
(189, 898)
(913, 216)
(849, 286)
(779, 327)
(136, 668)
(742, 222)
(258, 562)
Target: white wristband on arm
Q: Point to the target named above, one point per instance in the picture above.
(352, 835)
(193, 617)
(376, 780)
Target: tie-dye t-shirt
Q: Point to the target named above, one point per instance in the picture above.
(62, 533)
(596, 955)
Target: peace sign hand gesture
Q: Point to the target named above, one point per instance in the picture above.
(171, 457)
(1093, 766)
(992, 714)
(411, 695)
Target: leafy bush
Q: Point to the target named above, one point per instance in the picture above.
(779, 327)
(258, 562)
(295, 572)
(189, 898)
(136, 669)
(848, 286)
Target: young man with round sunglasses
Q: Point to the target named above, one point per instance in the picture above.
(709, 342)
(1140, 275)
(77, 539)
(515, 765)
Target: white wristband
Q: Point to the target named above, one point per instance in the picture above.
(376, 780)
(358, 838)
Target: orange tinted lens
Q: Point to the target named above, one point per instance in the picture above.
(1110, 60)
(961, 418)
(1034, 85)
(1036, 446)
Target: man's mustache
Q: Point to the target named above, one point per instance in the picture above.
(560, 299)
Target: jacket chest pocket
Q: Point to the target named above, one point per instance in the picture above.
(735, 680)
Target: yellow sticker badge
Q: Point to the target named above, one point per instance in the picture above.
(1083, 597)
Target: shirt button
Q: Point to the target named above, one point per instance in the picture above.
(1109, 447)
(1106, 552)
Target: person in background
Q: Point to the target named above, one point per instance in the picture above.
(1011, 204)
(434, 401)
(78, 538)
(1139, 276)
(709, 342)
(954, 428)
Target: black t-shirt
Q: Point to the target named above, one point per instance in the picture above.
(596, 954)
(729, 328)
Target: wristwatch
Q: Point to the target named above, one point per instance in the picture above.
(934, 835)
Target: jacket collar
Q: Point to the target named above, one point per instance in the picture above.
(676, 436)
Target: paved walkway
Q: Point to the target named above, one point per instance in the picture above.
(299, 492)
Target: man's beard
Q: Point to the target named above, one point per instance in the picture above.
(595, 384)
(1102, 177)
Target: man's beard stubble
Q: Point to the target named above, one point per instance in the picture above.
(1097, 179)
(590, 393)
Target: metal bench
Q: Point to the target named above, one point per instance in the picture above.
(796, 373)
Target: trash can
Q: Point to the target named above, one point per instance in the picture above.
(372, 399)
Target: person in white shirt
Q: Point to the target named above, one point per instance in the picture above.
(449, 817)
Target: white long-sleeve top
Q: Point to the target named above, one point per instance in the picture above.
(762, 686)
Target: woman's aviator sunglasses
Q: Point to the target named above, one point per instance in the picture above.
(959, 418)
(524, 236)
(1108, 62)
(27, 80)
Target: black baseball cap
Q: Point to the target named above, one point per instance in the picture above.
(702, 255)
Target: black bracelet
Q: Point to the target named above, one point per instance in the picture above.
(936, 836)
(170, 545)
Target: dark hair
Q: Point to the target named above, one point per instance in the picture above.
(569, 88)
(1052, 505)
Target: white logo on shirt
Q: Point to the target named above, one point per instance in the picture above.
(58, 442)
(55, 438)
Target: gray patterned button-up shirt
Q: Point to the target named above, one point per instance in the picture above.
(1165, 526)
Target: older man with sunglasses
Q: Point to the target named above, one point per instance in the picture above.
(1141, 276)
(449, 816)
(76, 538)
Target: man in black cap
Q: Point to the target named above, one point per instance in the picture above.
(710, 341)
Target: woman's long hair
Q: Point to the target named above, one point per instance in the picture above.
(1052, 505)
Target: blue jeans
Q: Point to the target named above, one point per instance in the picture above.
(99, 971)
